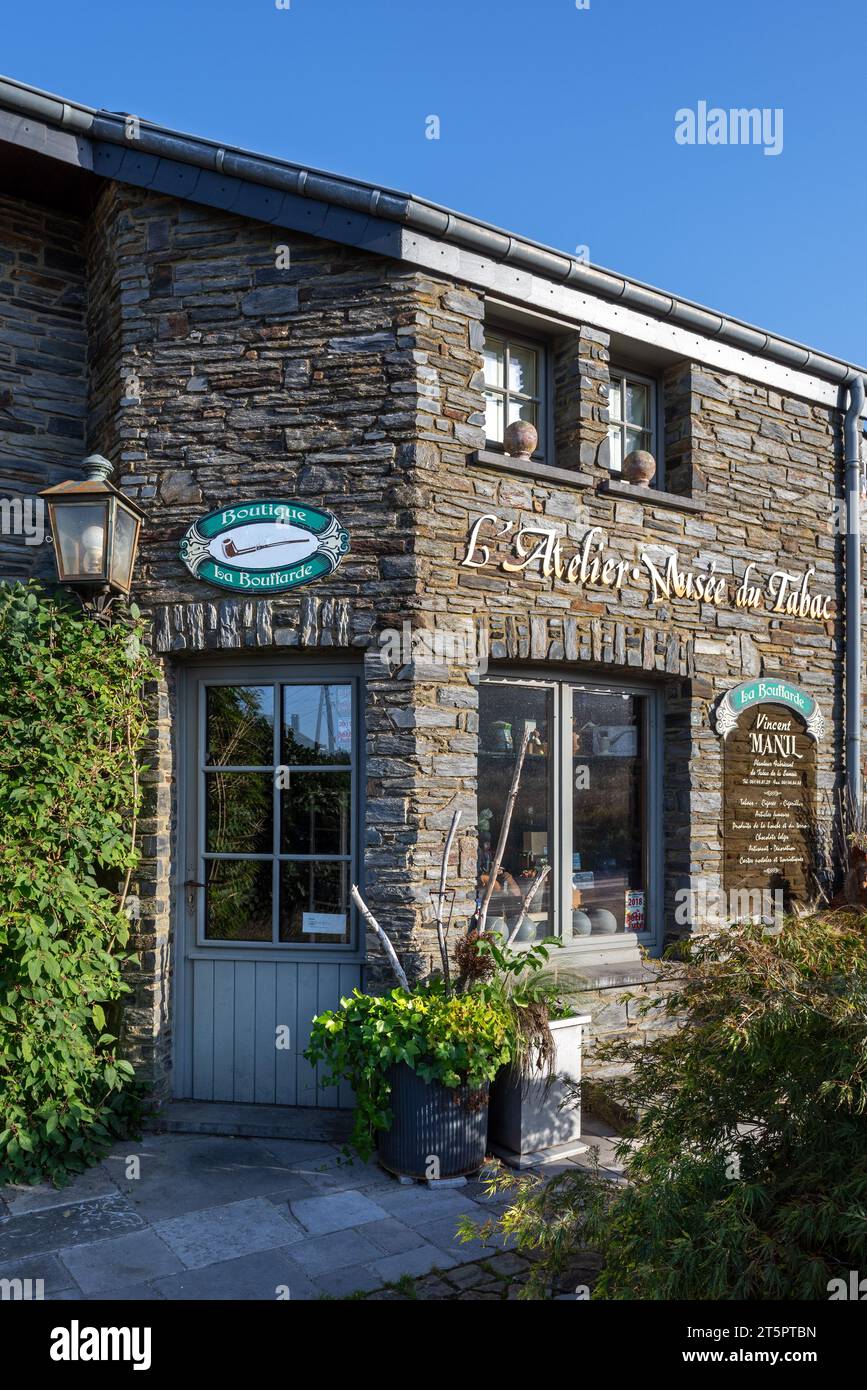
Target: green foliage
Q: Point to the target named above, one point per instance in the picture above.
(453, 1039)
(747, 1168)
(530, 993)
(73, 722)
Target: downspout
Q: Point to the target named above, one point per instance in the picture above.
(852, 455)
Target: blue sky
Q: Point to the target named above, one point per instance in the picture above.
(555, 122)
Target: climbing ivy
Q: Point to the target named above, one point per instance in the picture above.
(72, 723)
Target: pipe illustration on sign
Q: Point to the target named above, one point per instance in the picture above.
(311, 540)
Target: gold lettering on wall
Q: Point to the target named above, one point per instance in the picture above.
(540, 550)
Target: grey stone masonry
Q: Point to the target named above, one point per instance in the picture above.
(227, 359)
(43, 369)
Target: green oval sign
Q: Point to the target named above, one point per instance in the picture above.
(264, 547)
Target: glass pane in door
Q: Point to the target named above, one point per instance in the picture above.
(609, 889)
(315, 840)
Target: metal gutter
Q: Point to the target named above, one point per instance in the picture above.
(391, 205)
(853, 704)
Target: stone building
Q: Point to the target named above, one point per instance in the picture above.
(276, 354)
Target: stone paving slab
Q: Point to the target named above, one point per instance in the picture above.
(344, 1283)
(221, 1233)
(130, 1293)
(391, 1235)
(96, 1182)
(338, 1211)
(58, 1227)
(337, 1250)
(251, 1219)
(417, 1204)
(108, 1265)
(295, 1151)
(339, 1174)
(54, 1275)
(421, 1260)
(442, 1233)
(265, 1276)
(184, 1173)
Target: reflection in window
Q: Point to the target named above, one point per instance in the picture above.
(598, 867)
(238, 900)
(630, 415)
(240, 720)
(512, 386)
(608, 881)
(239, 813)
(313, 835)
(504, 713)
(317, 724)
(315, 813)
(314, 901)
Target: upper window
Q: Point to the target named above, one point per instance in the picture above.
(513, 385)
(631, 415)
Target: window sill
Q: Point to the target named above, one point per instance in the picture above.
(650, 496)
(527, 468)
(613, 974)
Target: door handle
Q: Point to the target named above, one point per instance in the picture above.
(194, 883)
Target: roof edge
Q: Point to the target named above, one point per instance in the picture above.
(424, 216)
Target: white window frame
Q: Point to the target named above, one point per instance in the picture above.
(623, 375)
(539, 348)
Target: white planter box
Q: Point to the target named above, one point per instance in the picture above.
(525, 1120)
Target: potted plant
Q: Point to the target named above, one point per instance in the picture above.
(533, 1103)
(420, 1062)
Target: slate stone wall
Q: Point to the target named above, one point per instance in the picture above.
(43, 377)
(352, 382)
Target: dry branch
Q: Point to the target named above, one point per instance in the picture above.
(374, 925)
(444, 868)
(497, 862)
(528, 902)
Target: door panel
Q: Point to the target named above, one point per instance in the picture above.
(239, 1000)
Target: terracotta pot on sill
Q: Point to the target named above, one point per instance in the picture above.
(639, 467)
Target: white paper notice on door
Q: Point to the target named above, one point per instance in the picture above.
(324, 923)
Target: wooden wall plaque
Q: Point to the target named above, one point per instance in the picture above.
(769, 802)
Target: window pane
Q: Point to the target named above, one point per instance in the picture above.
(494, 422)
(314, 902)
(125, 530)
(238, 900)
(503, 712)
(608, 813)
(495, 357)
(522, 410)
(636, 439)
(315, 813)
(522, 370)
(317, 724)
(614, 401)
(615, 446)
(239, 813)
(240, 725)
(636, 404)
(80, 536)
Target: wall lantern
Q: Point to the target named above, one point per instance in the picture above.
(95, 530)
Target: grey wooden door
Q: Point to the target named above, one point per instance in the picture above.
(267, 937)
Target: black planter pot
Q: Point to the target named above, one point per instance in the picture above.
(433, 1121)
